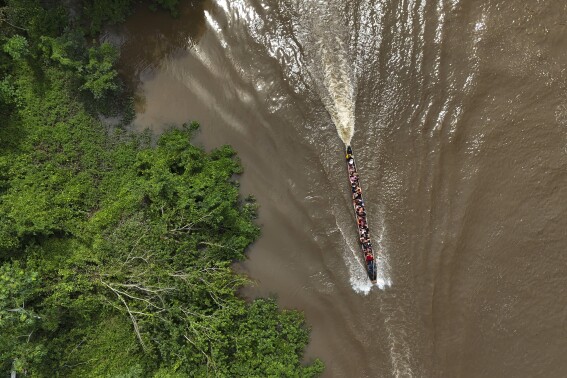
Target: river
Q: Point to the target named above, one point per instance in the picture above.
(458, 116)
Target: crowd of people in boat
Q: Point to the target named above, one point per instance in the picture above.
(360, 213)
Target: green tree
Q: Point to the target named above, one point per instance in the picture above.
(67, 50)
(100, 75)
(17, 47)
(169, 5)
(100, 12)
(18, 317)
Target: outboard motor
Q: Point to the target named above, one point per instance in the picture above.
(372, 270)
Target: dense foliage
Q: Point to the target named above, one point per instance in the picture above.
(115, 253)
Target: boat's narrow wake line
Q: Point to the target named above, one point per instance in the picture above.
(400, 352)
(396, 307)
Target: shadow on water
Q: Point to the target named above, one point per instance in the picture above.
(145, 45)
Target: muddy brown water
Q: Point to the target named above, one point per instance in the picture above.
(459, 116)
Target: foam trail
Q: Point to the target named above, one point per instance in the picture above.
(340, 88)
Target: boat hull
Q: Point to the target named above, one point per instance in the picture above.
(360, 216)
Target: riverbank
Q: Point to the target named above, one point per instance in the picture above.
(115, 254)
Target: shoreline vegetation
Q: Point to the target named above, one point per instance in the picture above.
(115, 253)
